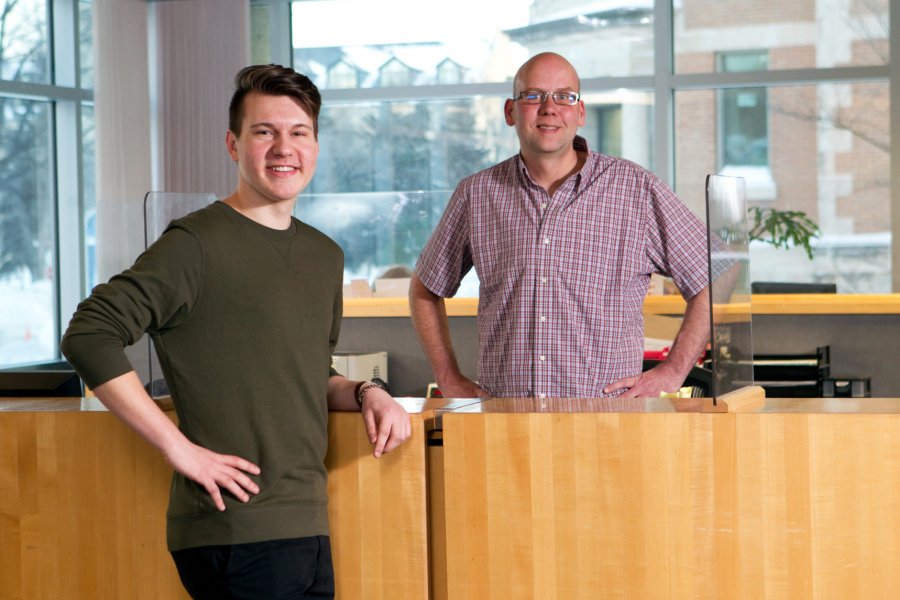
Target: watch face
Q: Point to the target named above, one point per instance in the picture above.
(379, 382)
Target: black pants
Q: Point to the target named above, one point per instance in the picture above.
(295, 569)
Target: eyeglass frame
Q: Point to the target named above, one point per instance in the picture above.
(544, 95)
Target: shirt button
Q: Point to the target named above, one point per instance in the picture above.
(546, 240)
(543, 280)
(543, 395)
(542, 358)
(543, 205)
(543, 319)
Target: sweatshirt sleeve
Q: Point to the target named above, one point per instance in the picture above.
(158, 291)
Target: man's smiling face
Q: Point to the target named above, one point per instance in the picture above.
(276, 149)
(546, 129)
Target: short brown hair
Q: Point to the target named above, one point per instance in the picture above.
(273, 80)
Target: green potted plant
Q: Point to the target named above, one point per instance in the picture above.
(783, 228)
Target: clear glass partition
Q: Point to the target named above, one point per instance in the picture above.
(378, 231)
(729, 261)
(161, 207)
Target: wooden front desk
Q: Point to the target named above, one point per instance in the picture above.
(779, 504)
(83, 500)
(801, 500)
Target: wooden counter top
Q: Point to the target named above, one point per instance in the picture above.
(425, 406)
(51, 405)
(762, 304)
(836, 406)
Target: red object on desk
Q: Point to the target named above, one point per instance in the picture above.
(656, 354)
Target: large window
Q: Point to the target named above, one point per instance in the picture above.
(795, 99)
(41, 121)
(25, 44)
(829, 158)
(791, 96)
(803, 34)
(409, 111)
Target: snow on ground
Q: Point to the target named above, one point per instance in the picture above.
(27, 328)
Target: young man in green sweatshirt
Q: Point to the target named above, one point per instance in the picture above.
(244, 305)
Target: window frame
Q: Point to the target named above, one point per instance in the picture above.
(66, 97)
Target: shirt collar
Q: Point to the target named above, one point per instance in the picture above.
(580, 144)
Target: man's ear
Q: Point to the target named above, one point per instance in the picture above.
(508, 111)
(231, 145)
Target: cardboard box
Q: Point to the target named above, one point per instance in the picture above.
(361, 366)
(392, 288)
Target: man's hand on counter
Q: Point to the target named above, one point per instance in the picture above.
(461, 387)
(648, 384)
(387, 423)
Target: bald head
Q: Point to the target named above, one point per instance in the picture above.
(546, 129)
(544, 62)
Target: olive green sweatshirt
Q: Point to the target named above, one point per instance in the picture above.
(244, 319)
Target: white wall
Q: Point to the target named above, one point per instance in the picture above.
(163, 79)
(164, 76)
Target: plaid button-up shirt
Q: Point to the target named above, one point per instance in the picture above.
(563, 278)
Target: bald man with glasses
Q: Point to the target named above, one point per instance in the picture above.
(564, 241)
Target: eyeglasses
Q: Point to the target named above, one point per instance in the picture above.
(539, 97)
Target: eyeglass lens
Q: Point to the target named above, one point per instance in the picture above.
(536, 97)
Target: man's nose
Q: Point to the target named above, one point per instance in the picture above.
(282, 146)
(548, 105)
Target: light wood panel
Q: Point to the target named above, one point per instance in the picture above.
(82, 510)
(377, 513)
(826, 304)
(83, 501)
(399, 307)
(675, 506)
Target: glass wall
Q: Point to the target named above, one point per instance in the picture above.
(811, 136)
(39, 124)
(792, 97)
(427, 42)
(824, 150)
(411, 109)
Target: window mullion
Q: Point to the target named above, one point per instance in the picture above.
(67, 159)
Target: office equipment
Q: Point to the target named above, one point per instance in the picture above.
(789, 287)
(40, 383)
(792, 375)
(833, 387)
(361, 366)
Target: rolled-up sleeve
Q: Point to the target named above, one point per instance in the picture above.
(157, 291)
